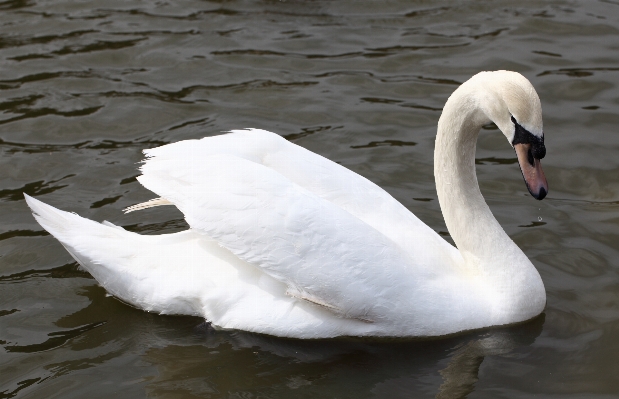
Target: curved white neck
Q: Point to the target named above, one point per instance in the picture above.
(487, 250)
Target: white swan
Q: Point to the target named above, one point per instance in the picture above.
(288, 243)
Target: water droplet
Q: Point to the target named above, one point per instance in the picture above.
(539, 218)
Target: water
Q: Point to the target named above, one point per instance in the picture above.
(84, 86)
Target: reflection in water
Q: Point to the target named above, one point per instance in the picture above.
(461, 373)
(242, 364)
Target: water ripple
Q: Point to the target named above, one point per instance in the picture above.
(18, 41)
(57, 339)
(578, 72)
(383, 143)
(69, 270)
(284, 54)
(33, 189)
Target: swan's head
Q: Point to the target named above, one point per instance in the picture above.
(512, 103)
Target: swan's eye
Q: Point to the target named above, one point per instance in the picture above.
(523, 136)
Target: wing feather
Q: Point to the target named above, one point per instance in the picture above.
(326, 179)
(329, 234)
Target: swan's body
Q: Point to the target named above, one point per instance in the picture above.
(288, 243)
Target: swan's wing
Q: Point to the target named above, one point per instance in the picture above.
(326, 179)
(304, 235)
(186, 273)
(323, 253)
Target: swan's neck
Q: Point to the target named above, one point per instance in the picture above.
(469, 220)
(487, 250)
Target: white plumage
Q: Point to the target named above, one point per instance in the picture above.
(286, 242)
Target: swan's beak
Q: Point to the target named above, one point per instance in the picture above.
(532, 172)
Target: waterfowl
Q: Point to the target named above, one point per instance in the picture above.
(285, 242)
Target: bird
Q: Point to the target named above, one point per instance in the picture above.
(284, 242)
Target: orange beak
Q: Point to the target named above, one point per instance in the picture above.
(531, 171)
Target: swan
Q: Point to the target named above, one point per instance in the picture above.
(285, 242)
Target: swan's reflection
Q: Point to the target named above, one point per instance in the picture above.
(461, 374)
(213, 363)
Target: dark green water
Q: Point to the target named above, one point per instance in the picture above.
(84, 86)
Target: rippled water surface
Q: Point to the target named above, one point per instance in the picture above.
(84, 86)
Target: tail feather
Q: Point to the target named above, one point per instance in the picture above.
(51, 219)
(129, 266)
(185, 273)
